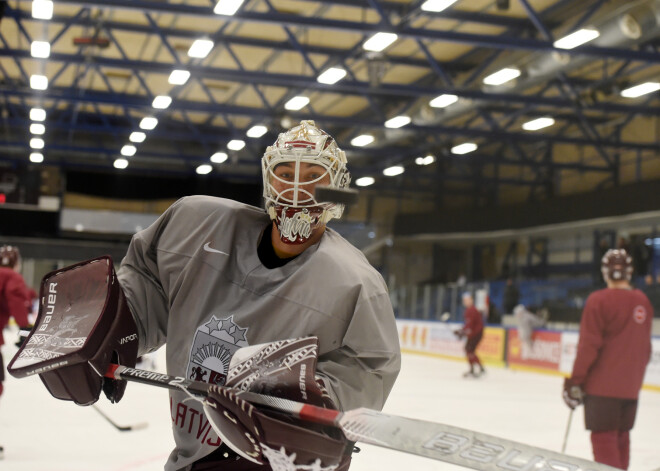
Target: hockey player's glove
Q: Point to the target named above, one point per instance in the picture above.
(283, 369)
(460, 333)
(84, 324)
(258, 434)
(573, 394)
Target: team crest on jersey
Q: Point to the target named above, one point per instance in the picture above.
(639, 314)
(214, 344)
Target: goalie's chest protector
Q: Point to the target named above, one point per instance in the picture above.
(222, 298)
(219, 297)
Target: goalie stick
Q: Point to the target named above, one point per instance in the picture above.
(441, 442)
(121, 428)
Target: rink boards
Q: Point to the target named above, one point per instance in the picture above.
(552, 351)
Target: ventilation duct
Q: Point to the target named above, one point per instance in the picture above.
(630, 25)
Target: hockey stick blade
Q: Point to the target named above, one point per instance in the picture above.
(121, 428)
(440, 442)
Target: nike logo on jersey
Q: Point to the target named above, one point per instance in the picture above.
(208, 248)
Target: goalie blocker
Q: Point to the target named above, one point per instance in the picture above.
(83, 325)
(284, 369)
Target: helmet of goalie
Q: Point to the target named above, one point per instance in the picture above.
(616, 265)
(10, 256)
(291, 201)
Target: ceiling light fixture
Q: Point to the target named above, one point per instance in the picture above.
(200, 48)
(37, 143)
(362, 140)
(227, 7)
(162, 102)
(393, 171)
(204, 169)
(137, 136)
(578, 38)
(38, 82)
(465, 148)
(40, 49)
(178, 77)
(539, 123)
(36, 128)
(365, 181)
(219, 157)
(42, 9)
(379, 41)
(235, 144)
(428, 160)
(331, 76)
(296, 103)
(443, 101)
(120, 163)
(437, 5)
(639, 90)
(257, 131)
(36, 157)
(502, 76)
(397, 122)
(38, 114)
(148, 123)
(128, 150)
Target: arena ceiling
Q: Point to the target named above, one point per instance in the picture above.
(109, 66)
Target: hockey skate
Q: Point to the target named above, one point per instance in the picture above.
(474, 374)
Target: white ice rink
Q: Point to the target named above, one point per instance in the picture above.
(40, 433)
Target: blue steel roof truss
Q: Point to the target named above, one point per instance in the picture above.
(459, 76)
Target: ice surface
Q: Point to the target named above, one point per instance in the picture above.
(40, 433)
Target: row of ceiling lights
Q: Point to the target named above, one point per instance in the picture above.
(501, 77)
(43, 9)
(39, 50)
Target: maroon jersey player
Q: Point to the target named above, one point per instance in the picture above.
(14, 294)
(473, 330)
(613, 351)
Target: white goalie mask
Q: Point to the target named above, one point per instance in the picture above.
(299, 160)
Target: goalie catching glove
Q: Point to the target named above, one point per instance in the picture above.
(283, 369)
(83, 325)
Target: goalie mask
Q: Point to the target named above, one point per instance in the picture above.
(299, 160)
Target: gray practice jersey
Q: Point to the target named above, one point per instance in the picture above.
(194, 280)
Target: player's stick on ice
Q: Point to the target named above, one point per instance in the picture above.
(418, 437)
(121, 428)
(568, 429)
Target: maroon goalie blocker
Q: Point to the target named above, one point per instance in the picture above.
(83, 325)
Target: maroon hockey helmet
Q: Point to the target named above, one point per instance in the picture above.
(616, 265)
(9, 256)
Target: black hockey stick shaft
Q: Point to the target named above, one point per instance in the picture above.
(303, 411)
(419, 437)
(121, 428)
(568, 429)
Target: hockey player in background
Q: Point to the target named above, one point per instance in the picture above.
(15, 300)
(527, 322)
(613, 350)
(212, 278)
(473, 331)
